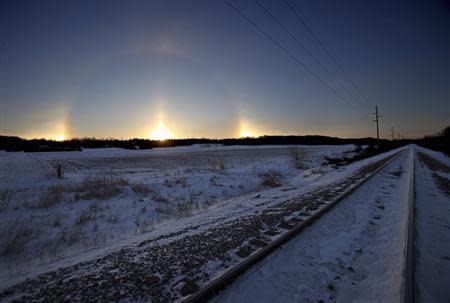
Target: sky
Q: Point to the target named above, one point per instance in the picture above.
(158, 69)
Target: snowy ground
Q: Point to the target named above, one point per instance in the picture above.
(177, 256)
(432, 258)
(354, 253)
(111, 194)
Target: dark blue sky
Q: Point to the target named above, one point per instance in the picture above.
(197, 69)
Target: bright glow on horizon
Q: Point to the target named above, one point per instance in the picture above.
(161, 133)
(59, 138)
(247, 130)
(245, 133)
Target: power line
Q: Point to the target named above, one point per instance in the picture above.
(328, 51)
(303, 47)
(291, 55)
(325, 48)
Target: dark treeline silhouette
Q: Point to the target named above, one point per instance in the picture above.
(9, 143)
(440, 142)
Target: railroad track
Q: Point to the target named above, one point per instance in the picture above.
(135, 267)
(214, 286)
(409, 251)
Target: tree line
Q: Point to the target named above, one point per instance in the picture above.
(439, 141)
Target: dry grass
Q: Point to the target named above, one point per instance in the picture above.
(298, 157)
(217, 164)
(157, 197)
(181, 181)
(112, 219)
(51, 197)
(100, 187)
(208, 203)
(5, 199)
(184, 209)
(57, 222)
(15, 238)
(271, 178)
(84, 217)
(140, 188)
(71, 236)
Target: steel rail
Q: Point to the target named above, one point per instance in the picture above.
(211, 288)
(408, 288)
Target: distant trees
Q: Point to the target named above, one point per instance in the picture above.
(439, 141)
(18, 144)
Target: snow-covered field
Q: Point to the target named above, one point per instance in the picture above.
(111, 194)
(159, 224)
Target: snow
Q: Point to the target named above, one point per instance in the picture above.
(354, 253)
(207, 243)
(432, 258)
(127, 206)
(181, 182)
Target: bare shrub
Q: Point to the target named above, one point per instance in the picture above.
(157, 197)
(184, 209)
(84, 217)
(181, 181)
(164, 211)
(188, 170)
(71, 236)
(298, 157)
(51, 197)
(208, 203)
(271, 178)
(112, 219)
(99, 186)
(5, 199)
(140, 188)
(217, 164)
(143, 210)
(167, 183)
(57, 222)
(15, 238)
(215, 181)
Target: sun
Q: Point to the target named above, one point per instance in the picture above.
(245, 133)
(247, 130)
(59, 138)
(161, 133)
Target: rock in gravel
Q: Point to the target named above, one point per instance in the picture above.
(258, 242)
(285, 225)
(271, 233)
(244, 251)
(188, 287)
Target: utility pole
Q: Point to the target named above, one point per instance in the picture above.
(392, 133)
(376, 120)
